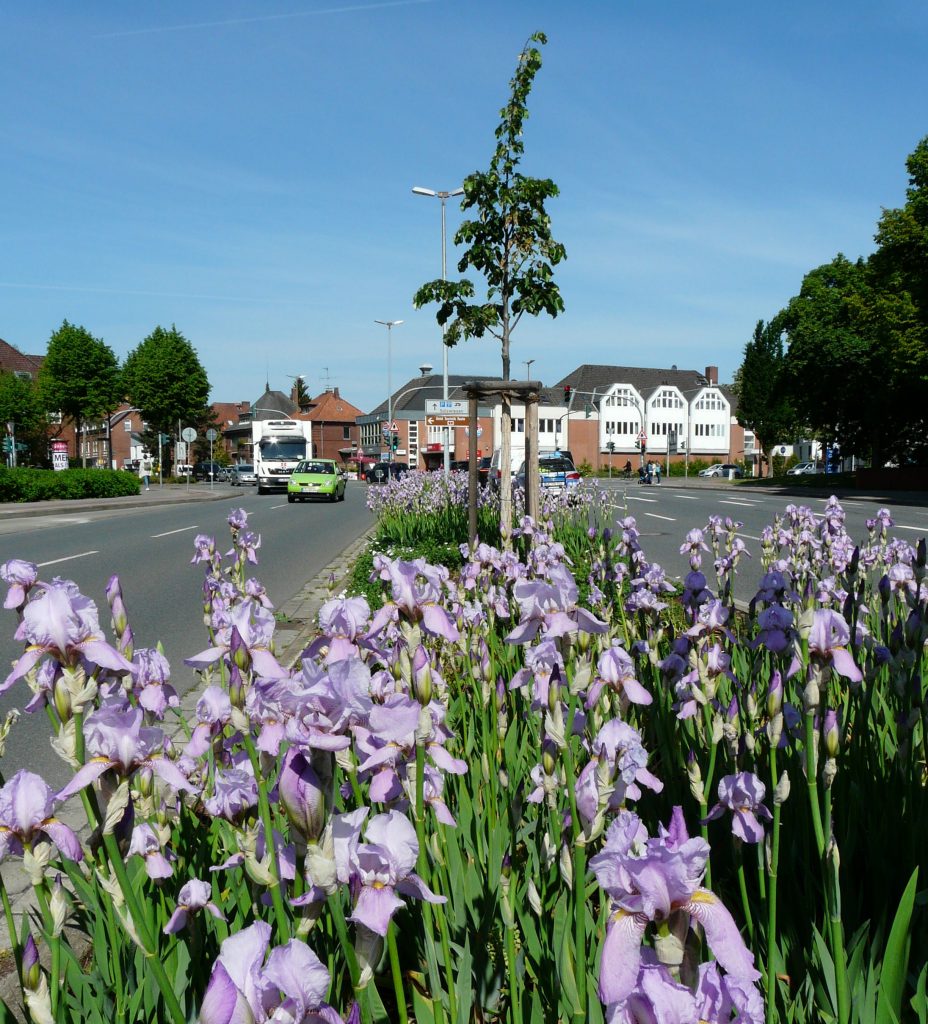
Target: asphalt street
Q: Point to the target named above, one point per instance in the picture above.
(150, 549)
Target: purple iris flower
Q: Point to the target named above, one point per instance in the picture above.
(27, 806)
(616, 670)
(204, 549)
(256, 590)
(59, 621)
(235, 792)
(648, 880)
(381, 867)
(718, 996)
(214, 711)
(150, 678)
(776, 631)
(656, 999)
(20, 577)
(146, 844)
(290, 987)
(828, 640)
(541, 662)
(620, 744)
(193, 896)
(237, 519)
(743, 795)
(251, 632)
(301, 793)
(694, 545)
(552, 607)
(115, 739)
(417, 589)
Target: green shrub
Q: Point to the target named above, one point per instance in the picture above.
(19, 485)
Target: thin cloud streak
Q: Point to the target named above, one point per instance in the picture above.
(260, 17)
(275, 300)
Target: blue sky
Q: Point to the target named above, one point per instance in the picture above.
(244, 170)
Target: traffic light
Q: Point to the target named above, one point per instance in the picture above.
(7, 443)
(394, 443)
(568, 391)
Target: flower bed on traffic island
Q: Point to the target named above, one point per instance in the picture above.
(488, 800)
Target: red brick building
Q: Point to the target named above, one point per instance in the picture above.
(335, 429)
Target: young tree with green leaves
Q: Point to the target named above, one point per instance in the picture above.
(166, 381)
(763, 403)
(509, 243)
(80, 377)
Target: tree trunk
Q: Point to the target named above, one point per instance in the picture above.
(505, 454)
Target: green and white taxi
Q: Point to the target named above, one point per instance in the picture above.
(316, 478)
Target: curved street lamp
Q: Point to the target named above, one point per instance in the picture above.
(389, 324)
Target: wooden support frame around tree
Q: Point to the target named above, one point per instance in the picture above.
(526, 391)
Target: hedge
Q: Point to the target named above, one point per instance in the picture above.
(47, 484)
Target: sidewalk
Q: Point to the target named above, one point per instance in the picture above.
(168, 494)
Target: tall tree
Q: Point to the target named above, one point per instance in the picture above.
(832, 373)
(509, 244)
(763, 403)
(80, 377)
(166, 381)
(21, 405)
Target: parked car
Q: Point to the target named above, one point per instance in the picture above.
(483, 467)
(207, 471)
(804, 469)
(727, 470)
(316, 478)
(517, 457)
(243, 474)
(557, 473)
(380, 472)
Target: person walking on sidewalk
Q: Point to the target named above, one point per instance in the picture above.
(145, 471)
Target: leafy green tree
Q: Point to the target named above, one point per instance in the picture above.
(166, 381)
(898, 311)
(80, 377)
(764, 405)
(509, 243)
(834, 376)
(21, 405)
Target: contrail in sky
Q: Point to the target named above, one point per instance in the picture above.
(260, 17)
(131, 291)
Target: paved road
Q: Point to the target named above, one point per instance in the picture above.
(665, 513)
(150, 548)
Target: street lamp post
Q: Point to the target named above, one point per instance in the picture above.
(443, 196)
(528, 368)
(389, 324)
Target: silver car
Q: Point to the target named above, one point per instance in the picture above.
(243, 474)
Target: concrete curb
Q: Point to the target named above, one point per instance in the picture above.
(297, 625)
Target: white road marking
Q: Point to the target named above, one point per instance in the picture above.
(69, 558)
(654, 515)
(899, 526)
(689, 497)
(183, 529)
(725, 501)
(750, 536)
(285, 504)
(634, 497)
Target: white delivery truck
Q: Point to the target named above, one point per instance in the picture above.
(278, 446)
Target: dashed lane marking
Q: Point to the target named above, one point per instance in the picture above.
(68, 558)
(168, 533)
(654, 515)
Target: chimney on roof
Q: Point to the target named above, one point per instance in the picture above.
(712, 374)
(335, 392)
